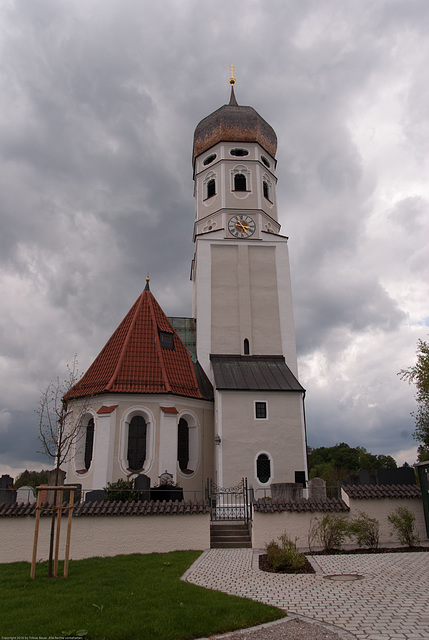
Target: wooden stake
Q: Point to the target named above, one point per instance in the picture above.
(36, 534)
(69, 525)
(59, 509)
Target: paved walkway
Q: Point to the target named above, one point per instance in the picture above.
(389, 602)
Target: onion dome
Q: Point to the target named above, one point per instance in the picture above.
(234, 123)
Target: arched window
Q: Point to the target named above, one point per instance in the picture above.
(187, 444)
(89, 443)
(183, 444)
(137, 443)
(246, 347)
(240, 182)
(266, 190)
(263, 468)
(84, 446)
(211, 188)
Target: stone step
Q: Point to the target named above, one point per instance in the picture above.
(227, 531)
(231, 545)
(230, 535)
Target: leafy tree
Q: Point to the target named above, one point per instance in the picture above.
(422, 453)
(386, 462)
(338, 462)
(31, 479)
(419, 375)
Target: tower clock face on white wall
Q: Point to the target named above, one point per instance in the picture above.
(241, 226)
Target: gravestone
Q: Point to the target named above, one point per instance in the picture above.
(26, 494)
(286, 491)
(97, 495)
(142, 485)
(403, 475)
(7, 492)
(166, 492)
(50, 495)
(365, 477)
(317, 490)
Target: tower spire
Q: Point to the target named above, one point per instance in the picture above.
(232, 69)
(232, 101)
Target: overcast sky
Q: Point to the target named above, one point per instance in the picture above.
(99, 100)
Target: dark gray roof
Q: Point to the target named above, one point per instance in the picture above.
(204, 384)
(236, 123)
(146, 508)
(276, 506)
(253, 373)
(373, 491)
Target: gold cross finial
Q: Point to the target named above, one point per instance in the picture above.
(232, 69)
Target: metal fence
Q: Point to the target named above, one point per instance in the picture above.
(230, 503)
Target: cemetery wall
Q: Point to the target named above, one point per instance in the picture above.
(271, 525)
(105, 535)
(380, 508)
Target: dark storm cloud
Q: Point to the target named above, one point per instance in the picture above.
(99, 100)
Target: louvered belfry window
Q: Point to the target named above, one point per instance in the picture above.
(211, 188)
(137, 443)
(240, 182)
(89, 442)
(183, 444)
(266, 190)
(263, 468)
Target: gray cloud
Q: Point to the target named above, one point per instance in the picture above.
(99, 101)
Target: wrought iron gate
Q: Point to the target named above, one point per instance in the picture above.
(232, 503)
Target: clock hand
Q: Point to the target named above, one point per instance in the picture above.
(245, 228)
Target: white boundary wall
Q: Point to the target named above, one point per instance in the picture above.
(105, 536)
(114, 535)
(270, 526)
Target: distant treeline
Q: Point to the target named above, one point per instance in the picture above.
(340, 461)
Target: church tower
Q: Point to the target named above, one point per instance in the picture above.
(242, 301)
(216, 395)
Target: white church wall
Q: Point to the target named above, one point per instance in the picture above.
(244, 436)
(109, 462)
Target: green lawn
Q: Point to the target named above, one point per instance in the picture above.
(134, 597)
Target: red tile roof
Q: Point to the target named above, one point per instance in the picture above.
(107, 409)
(133, 360)
(172, 410)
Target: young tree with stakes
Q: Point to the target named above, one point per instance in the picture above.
(58, 433)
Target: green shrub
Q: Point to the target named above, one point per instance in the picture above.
(121, 490)
(329, 531)
(402, 523)
(284, 555)
(366, 530)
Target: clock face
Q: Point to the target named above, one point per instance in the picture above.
(241, 226)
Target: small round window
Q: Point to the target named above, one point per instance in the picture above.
(239, 152)
(265, 161)
(209, 159)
